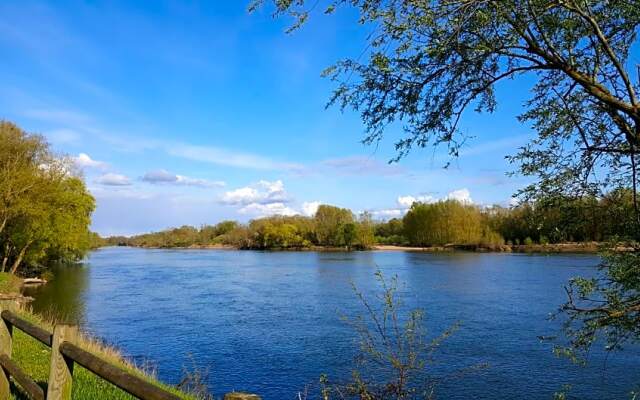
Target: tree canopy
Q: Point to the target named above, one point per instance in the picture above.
(45, 210)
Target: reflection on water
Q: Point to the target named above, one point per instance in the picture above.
(62, 299)
(269, 322)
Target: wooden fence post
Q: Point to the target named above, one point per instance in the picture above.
(6, 338)
(61, 371)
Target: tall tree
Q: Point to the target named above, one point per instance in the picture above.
(45, 210)
(330, 223)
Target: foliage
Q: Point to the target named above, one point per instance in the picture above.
(45, 210)
(330, 224)
(561, 219)
(390, 232)
(428, 62)
(557, 219)
(9, 283)
(606, 307)
(395, 353)
(443, 222)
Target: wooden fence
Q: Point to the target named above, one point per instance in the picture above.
(64, 354)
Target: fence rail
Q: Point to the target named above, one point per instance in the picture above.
(64, 354)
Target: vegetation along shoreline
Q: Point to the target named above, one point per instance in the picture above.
(568, 247)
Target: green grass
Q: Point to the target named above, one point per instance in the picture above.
(34, 357)
(9, 283)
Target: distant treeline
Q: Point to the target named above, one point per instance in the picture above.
(552, 220)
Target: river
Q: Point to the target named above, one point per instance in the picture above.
(270, 322)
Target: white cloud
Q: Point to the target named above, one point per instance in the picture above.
(262, 192)
(461, 195)
(407, 201)
(264, 210)
(389, 213)
(84, 161)
(111, 179)
(164, 177)
(309, 208)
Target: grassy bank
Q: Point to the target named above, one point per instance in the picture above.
(9, 283)
(34, 357)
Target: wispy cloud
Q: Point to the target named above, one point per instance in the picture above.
(112, 179)
(63, 136)
(359, 165)
(162, 176)
(84, 124)
(227, 157)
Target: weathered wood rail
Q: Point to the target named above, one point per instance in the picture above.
(65, 352)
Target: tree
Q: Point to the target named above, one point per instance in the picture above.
(444, 222)
(20, 158)
(396, 357)
(330, 222)
(428, 62)
(365, 231)
(45, 210)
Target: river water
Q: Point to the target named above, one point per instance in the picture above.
(270, 322)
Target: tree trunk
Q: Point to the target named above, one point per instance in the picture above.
(5, 256)
(3, 224)
(18, 260)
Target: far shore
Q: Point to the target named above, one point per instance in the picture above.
(571, 247)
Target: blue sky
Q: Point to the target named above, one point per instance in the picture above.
(193, 112)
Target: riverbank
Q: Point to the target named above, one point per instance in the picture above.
(34, 357)
(586, 247)
(571, 247)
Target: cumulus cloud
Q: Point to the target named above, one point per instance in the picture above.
(84, 161)
(461, 195)
(309, 208)
(164, 177)
(407, 201)
(262, 192)
(264, 210)
(111, 179)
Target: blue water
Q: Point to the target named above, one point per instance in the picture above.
(270, 322)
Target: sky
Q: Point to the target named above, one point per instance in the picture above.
(187, 112)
